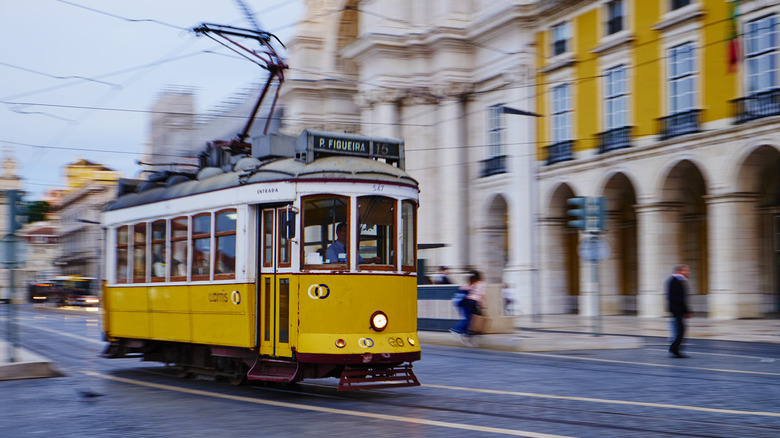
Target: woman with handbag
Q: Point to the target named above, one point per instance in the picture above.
(470, 305)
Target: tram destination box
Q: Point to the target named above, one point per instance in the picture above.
(313, 144)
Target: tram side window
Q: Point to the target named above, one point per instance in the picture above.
(268, 238)
(285, 242)
(179, 249)
(376, 230)
(225, 265)
(322, 215)
(139, 253)
(122, 247)
(159, 252)
(201, 246)
(409, 219)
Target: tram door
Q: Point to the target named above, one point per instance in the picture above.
(276, 284)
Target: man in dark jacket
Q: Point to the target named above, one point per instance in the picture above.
(676, 290)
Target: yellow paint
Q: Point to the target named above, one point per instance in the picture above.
(209, 314)
(347, 310)
(719, 86)
(202, 314)
(586, 103)
(647, 88)
(541, 97)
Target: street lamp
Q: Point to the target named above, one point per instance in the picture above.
(532, 201)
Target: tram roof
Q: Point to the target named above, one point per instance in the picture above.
(250, 170)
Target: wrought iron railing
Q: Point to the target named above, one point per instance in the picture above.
(493, 166)
(561, 151)
(613, 139)
(757, 106)
(680, 124)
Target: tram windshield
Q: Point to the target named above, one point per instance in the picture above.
(376, 230)
(325, 231)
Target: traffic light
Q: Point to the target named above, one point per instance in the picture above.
(579, 213)
(599, 212)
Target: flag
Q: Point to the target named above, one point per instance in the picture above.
(733, 39)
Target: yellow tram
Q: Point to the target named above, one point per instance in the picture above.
(294, 258)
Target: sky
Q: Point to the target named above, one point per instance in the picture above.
(78, 77)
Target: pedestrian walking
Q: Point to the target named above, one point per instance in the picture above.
(676, 296)
(474, 293)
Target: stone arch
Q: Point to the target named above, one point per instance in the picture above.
(683, 197)
(496, 239)
(758, 222)
(560, 261)
(620, 284)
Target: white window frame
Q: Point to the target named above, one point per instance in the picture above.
(496, 129)
(616, 105)
(560, 32)
(761, 54)
(682, 78)
(561, 106)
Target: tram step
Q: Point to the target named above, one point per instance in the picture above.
(273, 370)
(374, 378)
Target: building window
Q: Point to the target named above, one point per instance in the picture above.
(561, 113)
(677, 4)
(614, 16)
(616, 98)
(201, 246)
(617, 134)
(761, 54)
(560, 33)
(225, 235)
(495, 163)
(682, 78)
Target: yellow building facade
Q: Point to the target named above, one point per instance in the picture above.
(670, 110)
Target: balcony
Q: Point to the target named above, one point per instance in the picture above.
(561, 151)
(757, 106)
(613, 139)
(493, 166)
(680, 124)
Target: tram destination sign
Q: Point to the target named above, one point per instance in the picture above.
(312, 144)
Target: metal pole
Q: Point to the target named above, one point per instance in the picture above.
(594, 274)
(13, 339)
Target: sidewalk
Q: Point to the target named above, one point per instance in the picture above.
(532, 334)
(574, 332)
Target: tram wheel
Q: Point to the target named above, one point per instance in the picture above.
(182, 372)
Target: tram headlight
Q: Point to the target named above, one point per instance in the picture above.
(410, 341)
(378, 321)
(341, 343)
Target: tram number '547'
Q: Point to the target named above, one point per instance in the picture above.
(379, 187)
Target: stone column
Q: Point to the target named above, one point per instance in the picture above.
(453, 197)
(611, 298)
(734, 246)
(657, 231)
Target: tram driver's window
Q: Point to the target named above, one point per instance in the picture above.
(409, 228)
(376, 230)
(325, 232)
